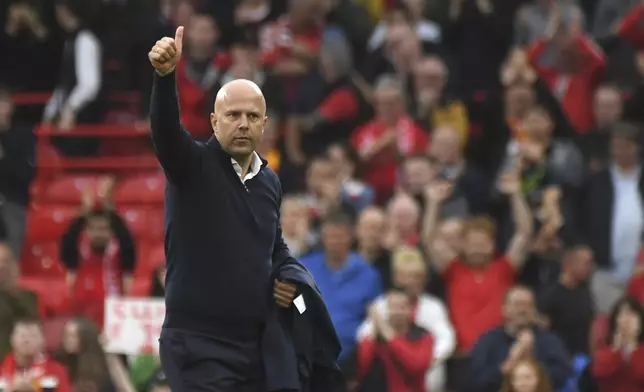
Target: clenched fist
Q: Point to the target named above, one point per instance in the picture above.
(165, 54)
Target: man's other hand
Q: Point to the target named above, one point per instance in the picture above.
(284, 293)
(166, 53)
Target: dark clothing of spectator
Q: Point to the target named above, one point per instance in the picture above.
(570, 312)
(492, 349)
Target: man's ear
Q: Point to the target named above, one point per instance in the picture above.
(213, 122)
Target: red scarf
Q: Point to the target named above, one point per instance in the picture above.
(35, 371)
(109, 283)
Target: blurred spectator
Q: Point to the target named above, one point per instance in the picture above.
(15, 303)
(370, 234)
(608, 14)
(500, 349)
(354, 191)
(17, 150)
(416, 173)
(347, 282)
(568, 305)
(432, 107)
(630, 28)
(533, 20)
(27, 367)
(296, 223)
(158, 282)
(526, 376)
(89, 368)
(198, 74)
(428, 312)
(98, 251)
(395, 354)
(268, 147)
(619, 366)
(610, 216)
(77, 98)
(391, 134)
(403, 218)
(576, 68)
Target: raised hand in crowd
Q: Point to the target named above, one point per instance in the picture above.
(380, 323)
(438, 191)
(166, 53)
(521, 349)
(510, 183)
(627, 334)
(555, 22)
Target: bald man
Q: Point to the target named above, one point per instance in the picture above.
(223, 236)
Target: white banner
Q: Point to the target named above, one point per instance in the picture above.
(133, 325)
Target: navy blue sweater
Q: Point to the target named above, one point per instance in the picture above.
(220, 238)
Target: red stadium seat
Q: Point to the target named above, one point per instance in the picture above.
(41, 260)
(54, 328)
(49, 222)
(147, 188)
(144, 223)
(68, 189)
(141, 286)
(151, 257)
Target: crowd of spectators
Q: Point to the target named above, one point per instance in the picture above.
(462, 178)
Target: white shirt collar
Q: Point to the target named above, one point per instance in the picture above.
(253, 169)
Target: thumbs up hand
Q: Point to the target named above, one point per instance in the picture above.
(165, 54)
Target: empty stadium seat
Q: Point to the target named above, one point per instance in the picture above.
(41, 260)
(151, 256)
(146, 188)
(141, 286)
(144, 223)
(68, 189)
(54, 328)
(48, 222)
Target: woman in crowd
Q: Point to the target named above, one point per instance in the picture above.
(526, 376)
(619, 366)
(90, 369)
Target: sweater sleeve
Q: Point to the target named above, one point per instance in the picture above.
(174, 147)
(415, 357)
(555, 359)
(606, 363)
(485, 371)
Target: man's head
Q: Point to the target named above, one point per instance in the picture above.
(446, 145)
(538, 124)
(478, 241)
(399, 308)
(430, 73)
(27, 338)
(320, 172)
(608, 106)
(295, 212)
(201, 34)
(337, 238)
(450, 232)
(403, 214)
(418, 172)
(68, 14)
(8, 267)
(239, 118)
(99, 229)
(390, 99)
(625, 144)
(344, 159)
(519, 97)
(245, 60)
(371, 228)
(578, 263)
(6, 108)
(518, 307)
(409, 270)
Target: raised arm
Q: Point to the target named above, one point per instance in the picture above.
(524, 227)
(440, 254)
(174, 147)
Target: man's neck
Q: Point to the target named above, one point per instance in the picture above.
(336, 262)
(23, 361)
(567, 281)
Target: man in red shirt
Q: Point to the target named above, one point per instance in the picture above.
(392, 134)
(27, 368)
(396, 354)
(478, 279)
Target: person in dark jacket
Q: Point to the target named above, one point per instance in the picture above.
(223, 235)
(499, 349)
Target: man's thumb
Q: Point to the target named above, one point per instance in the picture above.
(178, 38)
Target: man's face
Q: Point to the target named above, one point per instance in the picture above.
(293, 215)
(202, 33)
(388, 104)
(581, 264)
(418, 173)
(403, 215)
(608, 106)
(411, 279)
(239, 121)
(27, 340)
(340, 161)
(518, 308)
(370, 229)
(336, 240)
(6, 108)
(99, 232)
(399, 309)
(446, 146)
(538, 125)
(478, 247)
(429, 74)
(624, 151)
(519, 98)
(320, 172)
(8, 268)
